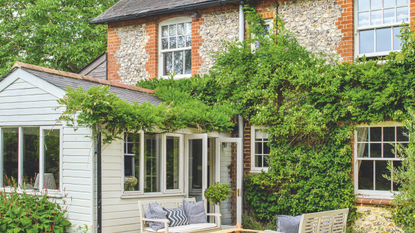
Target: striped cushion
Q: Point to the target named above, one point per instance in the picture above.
(176, 216)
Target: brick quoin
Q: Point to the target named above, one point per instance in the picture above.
(346, 24)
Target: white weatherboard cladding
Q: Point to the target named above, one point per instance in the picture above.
(26, 100)
(120, 214)
(22, 103)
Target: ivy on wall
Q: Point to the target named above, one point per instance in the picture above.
(311, 109)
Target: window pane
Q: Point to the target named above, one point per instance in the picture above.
(172, 30)
(375, 150)
(402, 13)
(180, 29)
(188, 62)
(178, 62)
(181, 43)
(396, 165)
(362, 150)
(388, 150)
(396, 40)
(383, 39)
(258, 148)
(31, 156)
(375, 4)
(188, 28)
(402, 132)
(168, 63)
(164, 43)
(389, 16)
(375, 17)
(401, 2)
(165, 31)
(389, 134)
(388, 3)
(152, 161)
(266, 148)
(366, 41)
(173, 43)
(364, 19)
(375, 134)
(363, 5)
(132, 162)
(362, 134)
(188, 41)
(258, 160)
(10, 156)
(172, 162)
(52, 158)
(381, 182)
(195, 166)
(365, 175)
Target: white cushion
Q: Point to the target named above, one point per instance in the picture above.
(186, 228)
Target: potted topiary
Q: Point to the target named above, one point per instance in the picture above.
(217, 193)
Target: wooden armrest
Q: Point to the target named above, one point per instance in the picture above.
(155, 220)
(214, 214)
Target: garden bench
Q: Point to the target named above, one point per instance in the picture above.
(327, 221)
(174, 203)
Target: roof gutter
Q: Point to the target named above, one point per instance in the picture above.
(163, 11)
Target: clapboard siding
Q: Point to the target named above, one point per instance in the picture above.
(22, 103)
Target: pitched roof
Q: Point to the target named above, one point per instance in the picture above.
(64, 79)
(130, 9)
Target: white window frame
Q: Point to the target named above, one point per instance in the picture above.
(255, 169)
(51, 192)
(371, 193)
(163, 164)
(183, 19)
(270, 23)
(380, 26)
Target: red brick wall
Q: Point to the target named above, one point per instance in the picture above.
(247, 148)
(346, 24)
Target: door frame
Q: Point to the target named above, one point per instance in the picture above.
(239, 172)
(204, 138)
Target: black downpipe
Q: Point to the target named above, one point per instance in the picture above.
(99, 183)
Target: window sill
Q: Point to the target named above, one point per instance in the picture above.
(176, 77)
(127, 195)
(50, 194)
(259, 170)
(373, 201)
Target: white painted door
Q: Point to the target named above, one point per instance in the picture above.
(196, 165)
(229, 167)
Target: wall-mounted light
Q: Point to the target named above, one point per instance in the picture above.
(195, 15)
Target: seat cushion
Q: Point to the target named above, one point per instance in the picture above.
(195, 212)
(176, 216)
(186, 228)
(288, 224)
(155, 212)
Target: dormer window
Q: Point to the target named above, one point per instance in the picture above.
(377, 26)
(175, 44)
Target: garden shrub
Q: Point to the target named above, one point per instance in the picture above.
(21, 212)
(403, 212)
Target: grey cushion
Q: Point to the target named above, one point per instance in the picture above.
(288, 224)
(195, 212)
(155, 212)
(176, 216)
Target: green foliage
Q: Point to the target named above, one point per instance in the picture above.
(217, 193)
(21, 212)
(249, 222)
(51, 33)
(404, 176)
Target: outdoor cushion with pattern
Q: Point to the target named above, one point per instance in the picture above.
(155, 212)
(195, 212)
(176, 216)
(288, 224)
